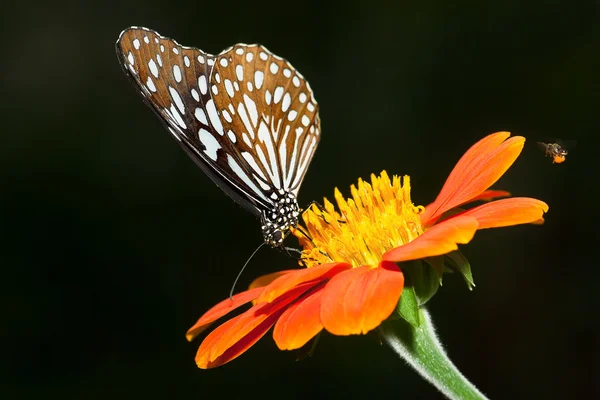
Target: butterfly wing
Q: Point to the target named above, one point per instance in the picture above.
(270, 110)
(175, 81)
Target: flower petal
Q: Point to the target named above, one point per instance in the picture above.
(288, 281)
(221, 309)
(488, 195)
(267, 279)
(300, 322)
(358, 300)
(507, 212)
(478, 169)
(439, 239)
(235, 336)
(205, 358)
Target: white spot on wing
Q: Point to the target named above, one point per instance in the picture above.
(305, 120)
(259, 77)
(229, 88)
(177, 99)
(292, 115)
(177, 73)
(150, 84)
(251, 106)
(250, 160)
(153, 67)
(283, 157)
(200, 115)
(264, 135)
(274, 68)
(277, 94)
(214, 117)
(235, 167)
(245, 120)
(175, 115)
(195, 94)
(231, 136)
(211, 145)
(239, 72)
(202, 84)
(136, 43)
(287, 100)
(249, 56)
(247, 139)
(130, 58)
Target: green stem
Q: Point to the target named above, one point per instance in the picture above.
(423, 351)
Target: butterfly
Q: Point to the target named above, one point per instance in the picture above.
(246, 117)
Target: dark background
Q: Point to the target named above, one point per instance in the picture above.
(114, 242)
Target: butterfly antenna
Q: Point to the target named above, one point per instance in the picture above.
(242, 270)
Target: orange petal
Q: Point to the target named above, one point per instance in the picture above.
(266, 279)
(358, 300)
(478, 169)
(203, 359)
(488, 195)
(300, 322)
(221, 309)
(439, 239)
(288, 281)
(237, 335)
(507, 212)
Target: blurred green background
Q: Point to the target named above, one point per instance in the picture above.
(113, 242)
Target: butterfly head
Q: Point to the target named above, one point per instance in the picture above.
(277, 222)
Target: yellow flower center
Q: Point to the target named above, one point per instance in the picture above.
(380, 216)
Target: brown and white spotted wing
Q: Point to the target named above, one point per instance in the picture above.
(269, 111)
(175, 81)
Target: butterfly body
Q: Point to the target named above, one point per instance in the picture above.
(246, 117)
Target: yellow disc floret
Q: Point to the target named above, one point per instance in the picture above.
(379, 216)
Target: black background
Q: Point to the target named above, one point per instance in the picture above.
(114, 242)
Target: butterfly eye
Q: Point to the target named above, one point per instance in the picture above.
(278, 236)
(245, 116)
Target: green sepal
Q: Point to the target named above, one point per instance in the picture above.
(408, 306)
(437, 263)
(457, 261)
(425, 279)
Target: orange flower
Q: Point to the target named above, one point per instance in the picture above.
(352, 283)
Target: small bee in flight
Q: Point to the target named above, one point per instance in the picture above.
(555, 151)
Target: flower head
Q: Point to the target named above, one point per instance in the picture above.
(352, 282)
